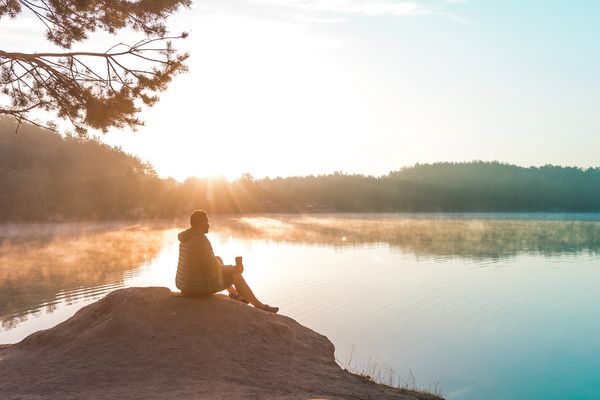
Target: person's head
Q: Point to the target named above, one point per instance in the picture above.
(199, 220)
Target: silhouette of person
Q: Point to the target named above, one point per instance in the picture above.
(199, 271)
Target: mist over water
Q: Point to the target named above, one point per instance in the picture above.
(490, 306)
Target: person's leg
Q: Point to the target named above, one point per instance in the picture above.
(241, 288)
(244, 290)
(240, 284)
(231, 290)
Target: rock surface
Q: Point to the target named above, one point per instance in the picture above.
(149, 343)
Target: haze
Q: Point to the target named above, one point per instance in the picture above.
(298, 87)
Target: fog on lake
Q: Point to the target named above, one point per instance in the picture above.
(477, 304)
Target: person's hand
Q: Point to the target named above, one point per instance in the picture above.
(238, 268)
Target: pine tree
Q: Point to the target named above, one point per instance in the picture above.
(96, 90)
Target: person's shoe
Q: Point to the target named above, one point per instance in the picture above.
(270, 309)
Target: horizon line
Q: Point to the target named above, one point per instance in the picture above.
(223, 177)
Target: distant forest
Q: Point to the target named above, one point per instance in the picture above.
(47, 177)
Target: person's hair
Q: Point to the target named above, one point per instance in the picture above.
(197, 218)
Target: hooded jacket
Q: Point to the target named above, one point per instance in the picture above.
(197, 270)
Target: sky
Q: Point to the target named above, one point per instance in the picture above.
(301, 87)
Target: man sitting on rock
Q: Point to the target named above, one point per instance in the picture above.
(200, 272)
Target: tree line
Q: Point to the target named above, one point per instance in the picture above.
(48, 177)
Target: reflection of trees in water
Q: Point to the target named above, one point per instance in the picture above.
(44, 265)
(65, 265)
(442, 237)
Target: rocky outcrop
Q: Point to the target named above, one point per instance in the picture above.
(150, 343)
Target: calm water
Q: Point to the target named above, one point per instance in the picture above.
(498, 306)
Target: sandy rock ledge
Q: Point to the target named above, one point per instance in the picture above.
(148, 343)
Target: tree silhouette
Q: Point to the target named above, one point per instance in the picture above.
(90, 89)
(45, 176)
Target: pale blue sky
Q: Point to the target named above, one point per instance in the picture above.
(295, 87)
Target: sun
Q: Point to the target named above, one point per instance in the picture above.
(181, 172)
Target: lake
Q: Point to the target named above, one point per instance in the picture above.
(494, 306)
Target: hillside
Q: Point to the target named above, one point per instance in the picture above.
(47, 177)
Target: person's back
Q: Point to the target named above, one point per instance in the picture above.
(200, 272)
(197, 272)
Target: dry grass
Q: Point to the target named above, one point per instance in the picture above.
(383, 374)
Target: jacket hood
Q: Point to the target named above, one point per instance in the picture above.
(188, 234)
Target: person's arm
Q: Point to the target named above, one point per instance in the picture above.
(233, 268)
(208, 252)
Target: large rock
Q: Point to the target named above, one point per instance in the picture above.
(149, 343)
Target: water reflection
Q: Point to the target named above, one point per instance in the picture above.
(43, 265)
(417, 291)
(478, 239)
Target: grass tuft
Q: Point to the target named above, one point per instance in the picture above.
(377, 372)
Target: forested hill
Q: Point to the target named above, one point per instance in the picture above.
(45, 177)
(444, 187)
